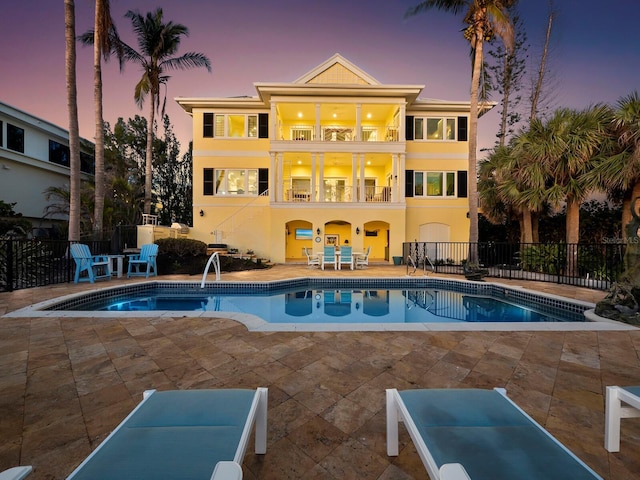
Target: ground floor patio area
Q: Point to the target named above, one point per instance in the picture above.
(65, 383)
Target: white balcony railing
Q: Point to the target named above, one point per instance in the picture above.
(338, 194)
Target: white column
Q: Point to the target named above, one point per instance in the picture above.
(280, 175)
(318, 137)
(358, 135)
(321, 179)
(363, 193)
(403, 122)
(273, 134)
(273, 177)
(314, 185)
(394, 177)
(354, 177)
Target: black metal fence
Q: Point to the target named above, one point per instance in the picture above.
(586, 265)
(36, 262)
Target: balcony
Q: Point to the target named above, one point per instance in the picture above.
(338, 194)
(338, 133)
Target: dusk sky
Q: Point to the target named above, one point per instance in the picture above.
(595, 55)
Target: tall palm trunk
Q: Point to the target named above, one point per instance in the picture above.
(573, 235)
(98, 212)
(149, 155)
(473, 145)
(72, 106)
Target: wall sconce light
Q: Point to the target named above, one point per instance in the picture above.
(357, 230)
(318, 230)
(467, 214)
(202, 213)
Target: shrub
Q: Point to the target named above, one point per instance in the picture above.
(181, 255)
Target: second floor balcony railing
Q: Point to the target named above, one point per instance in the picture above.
(338, 194)
(334, 133)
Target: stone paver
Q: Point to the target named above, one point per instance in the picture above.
(65, 383)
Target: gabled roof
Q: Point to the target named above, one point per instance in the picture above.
(337, 70)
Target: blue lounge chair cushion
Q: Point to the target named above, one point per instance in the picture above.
(177, 435)
(483, 431)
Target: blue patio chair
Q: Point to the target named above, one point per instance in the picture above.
(478, 434)
(329, 257)
(182, 434)
(346, 256)
(96, 266)
(144, 262)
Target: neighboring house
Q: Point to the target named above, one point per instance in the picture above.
(34, 155)
(334, 157)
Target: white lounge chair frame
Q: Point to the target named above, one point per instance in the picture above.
(16, 473)
(313, 260)
(621, 403)
(223, 470)
(363, 260)
(398, 412)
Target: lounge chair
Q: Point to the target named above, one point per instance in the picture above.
(312, 259)
(15, 473)
(96, 266)
(329, 257)
(363, 260)
(621, 402)
(346, 257)
(478, 434)
(144, 262)
(180, 435)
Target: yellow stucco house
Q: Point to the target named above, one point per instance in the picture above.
(334, 157)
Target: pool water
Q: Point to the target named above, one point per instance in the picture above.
(340, 305)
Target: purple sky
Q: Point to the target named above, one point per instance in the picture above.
(595, 56)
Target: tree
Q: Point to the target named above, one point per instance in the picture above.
(74, 133)
(105, 40)
(484, 19)
(157, 42)
(567, 147)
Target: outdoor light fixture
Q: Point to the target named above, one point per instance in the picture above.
(357, 230)
(202, 213)
(318, 231)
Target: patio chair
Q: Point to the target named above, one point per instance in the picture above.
(15, 473)
(312, 259)
(96, 266)
(144, 262)
(329, 257)
(346, 256)
(478, 434)
(621, 402)
(182, 434)
(362, 261)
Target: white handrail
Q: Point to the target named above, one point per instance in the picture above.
(412, 261)
(215, 259)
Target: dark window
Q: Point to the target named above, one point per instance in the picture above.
(408, 129)
(462, 130)
(263, 125)
(408, 188)
(87, 163)
(208, 182)
(59, 154)
(263, 180)
(1, 137)
(207, 125)
(15, 138)
(462, 184)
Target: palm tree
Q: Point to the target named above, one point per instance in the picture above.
(157, 42)
(568, 146)
(72, 105)
(484, 19)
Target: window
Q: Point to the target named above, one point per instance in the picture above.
(87, 163)
(1, 137)
(434, 128)
(207, 125)
(434, 184)
(236, 181)
(15, 138)
(59, 154)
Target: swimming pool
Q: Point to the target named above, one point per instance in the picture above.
(320, 304)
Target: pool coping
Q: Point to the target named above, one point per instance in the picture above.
(253, 323)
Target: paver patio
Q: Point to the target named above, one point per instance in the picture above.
(65, 383)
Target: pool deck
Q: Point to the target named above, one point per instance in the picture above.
(65, 383)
